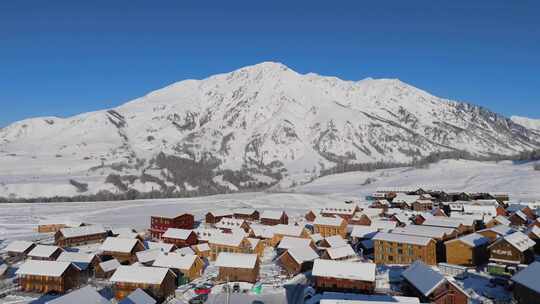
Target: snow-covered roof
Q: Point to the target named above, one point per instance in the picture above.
(403, 218)
(271, 214)
(109, 265)
(138, 296)
(472, 240)
(236, 260)
(159, 245)
(500, 229)
(227, 223)
(290, 230)
(85, 295)
(76, 257)
(291, 242)
(202, 247)
(175, 260)
(519, 240)
(43, 268)
(406, 199)
(179, 234)
(425, 231)
(148, 255)
(262, 231)
(480, 209)
(137, 274)
(361, 231)
(335, 241)
(521, 215)
(328, 221)
(185, 251)
(383, 225)
(534, 230)
(422, 277)
(220, 212)
(502, 220)
(344, 270)
(355, 298)
(316, 237)
(82, 231)
(253, 242)
(18, 246)
(244, 211)
(228, 239)
(302, 254)
(340, 252)
(441, 222)
(204, 234)
(402, 238)
(339, 208)
(43, 251)
(528, 277)
(116, 244)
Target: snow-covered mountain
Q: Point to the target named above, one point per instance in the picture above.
(533, 124)
(250, 128)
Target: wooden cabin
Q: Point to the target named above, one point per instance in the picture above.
(160, 223)
(328, 226)
(343, 276)
(343, 210)
(297, 259)
(45, 253)
(422, 205)
(360, 218)
(279, 231)
(160, 282)
(288, 242)
(234, 243)
(84, 295)
(180, 237)
(420, 281)
(54, 225)
(247, 214)
(45, 276)
(202, 250)
(105, 270)
(310, 215)
(256, 246)
(498, 220)
(534, 234)
(86, 263)
(513, 249)
(439, 234)
(493, 233)
(339, 253)
(123, 250)
(19, 249)
(518, 218)
(238, 267)
(527, 285)
(468, 250)
(215, 216)
(68, 237)
(393, 248)
(333, 241)
(188, 266)
(272, 218)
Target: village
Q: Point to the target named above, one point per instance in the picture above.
(397, 245)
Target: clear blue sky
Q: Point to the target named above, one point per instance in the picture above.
(66, 57)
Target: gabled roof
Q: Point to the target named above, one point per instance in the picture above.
(303, 254)
(43, 268)
(528, 277)
(185, 251)
(290, 242)
(472, 240)
(244, 211)
(85, 295)
(402, 238)
(383, 224)
(159, 245)
(518, 240)
(175, 261)
(116, 244)
(148, 255)
(82, 231)
(500, 230)
(138, 274)
(202, 247)
(425, 231)
(422, 277)
(18, 246)
(328, 221)
(81, 260)
(441, 222)
(290, 230)
(220, 212)
(109, 265)
(271, 214)
(344, 270)
(521, 215)
(340, 252)
(534, 230)
(335, 241)
(236, 260)
(43, 251)
(138, 296)
(227, 223)
(361, 231)
(339, 208)
(228, 239)
(178, 234)
(502, 220)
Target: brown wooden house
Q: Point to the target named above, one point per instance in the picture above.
(419, 280)
(422, 205)
(247, 214)
(54, 225)
(105, 270)
(189, 266)
(328, 226)
(229, 225)
(493, 233)
(235, 243)
(159, 224)
(159, 282)
(392, 248)
(68, 237)
(123, 250)
(534, 234)
(515, 248)
(215, 216)
(310, 215)
(45, 276)
(468, 250)
(527, 285)
(45, 253)
(518, 218)
(234, 267)
(19, 248)
(343, 276)
(298, 259)
(202, 250)
(272, 218)
(498, 220)
(343, 210)
(180, 237)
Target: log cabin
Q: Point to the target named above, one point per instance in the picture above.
(272, 218)
(512, 249)
(160, 223)
(422, 205)
(297, 259)
(468, 250)
(333, 241)
(419, 280)
(495, 232)
(68, 237)
(86, 263)
(19, 248)
(160, 282)
(188, 266)
(328, 226)
(279, 231)
(45, 276)
(518, 218)
(527, 285)
(123, 250)
(235, 243)
(180, 237)
(238, 267)
(247, 214)
(310, 215)
(202, 250)
(339, 253)
(215, 216)
(343, 276)
(439, 234)
(105, 270)
(343, 210)
(393, 248)
(45, 253)
(256, 246)
(288, 242)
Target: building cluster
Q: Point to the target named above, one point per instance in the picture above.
(341, 244)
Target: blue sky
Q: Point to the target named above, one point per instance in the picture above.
(65, 57)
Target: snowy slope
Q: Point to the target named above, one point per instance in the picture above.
(253, 127)
(533, 124)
